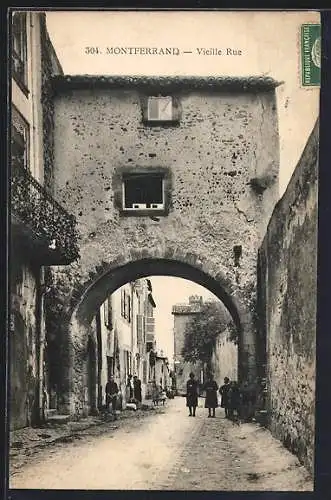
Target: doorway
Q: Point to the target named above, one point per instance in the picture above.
(91, 376)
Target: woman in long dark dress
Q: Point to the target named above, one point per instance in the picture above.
(211, 402)
(192, 395)
(137, 389)
(224, 392)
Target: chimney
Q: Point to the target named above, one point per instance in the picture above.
(196, 300)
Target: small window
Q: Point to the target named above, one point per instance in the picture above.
(19, 49)
(160, 109)
(126, 305)
(110, 366)
(143, 192)
(19, 141)
(128, 310)
(108, 317)
(144, 372)
(123, 303)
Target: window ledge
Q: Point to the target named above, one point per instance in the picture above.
(143, 213)
(117, 182)
(161, 123)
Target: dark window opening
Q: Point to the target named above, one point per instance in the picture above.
(19, 48)
(143, 191)
(237, 251)
(144, 372)
(108, 314)
(110, 366)
(126, 305)
(19, 141)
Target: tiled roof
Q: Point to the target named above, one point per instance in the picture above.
(186, 308)
(249, 83)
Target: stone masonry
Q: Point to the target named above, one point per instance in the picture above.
(288, 257)
(221, 165)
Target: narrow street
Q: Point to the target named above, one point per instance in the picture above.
(167, 450)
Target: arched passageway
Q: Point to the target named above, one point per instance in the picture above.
(111, 279)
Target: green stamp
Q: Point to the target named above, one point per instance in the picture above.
(310, 55)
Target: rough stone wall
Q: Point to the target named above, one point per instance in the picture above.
(225, 358)
(224, 140)
(290, 251)
(213, 155)
(22, 343)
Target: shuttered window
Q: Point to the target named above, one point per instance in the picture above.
(19, 49)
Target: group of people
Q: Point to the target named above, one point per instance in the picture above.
(237, 401)
(134, 389)
(112, 392)
(159, 395)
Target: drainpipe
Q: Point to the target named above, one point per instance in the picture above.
(99, 357)
(38, 173)
(40, 331)
(132, 331)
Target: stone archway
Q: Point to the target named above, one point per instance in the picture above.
(107, 277)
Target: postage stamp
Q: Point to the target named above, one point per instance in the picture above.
(310, 55)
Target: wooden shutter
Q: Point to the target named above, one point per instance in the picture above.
(139, 328)
(153, 108)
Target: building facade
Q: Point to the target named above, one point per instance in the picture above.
(43, 233)
(162, 372)
(183, 313)
(121, 343)
(148, 153)
(224, 360)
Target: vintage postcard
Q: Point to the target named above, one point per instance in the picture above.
(164, 170)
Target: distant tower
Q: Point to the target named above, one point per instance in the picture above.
(182, 315)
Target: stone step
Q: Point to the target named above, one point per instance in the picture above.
(58, 419)
(50, 411)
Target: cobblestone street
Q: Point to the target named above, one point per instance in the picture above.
(166, 450)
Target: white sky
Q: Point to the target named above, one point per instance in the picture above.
(168, 291)
(270, 45)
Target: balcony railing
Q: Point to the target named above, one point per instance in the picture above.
(47, 225)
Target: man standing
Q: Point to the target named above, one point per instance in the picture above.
(224, 392)
(111, 395)
(211, 388)
(245, 401)
(234, 401)
(137, 389)
(129, 386)
(192, 395)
